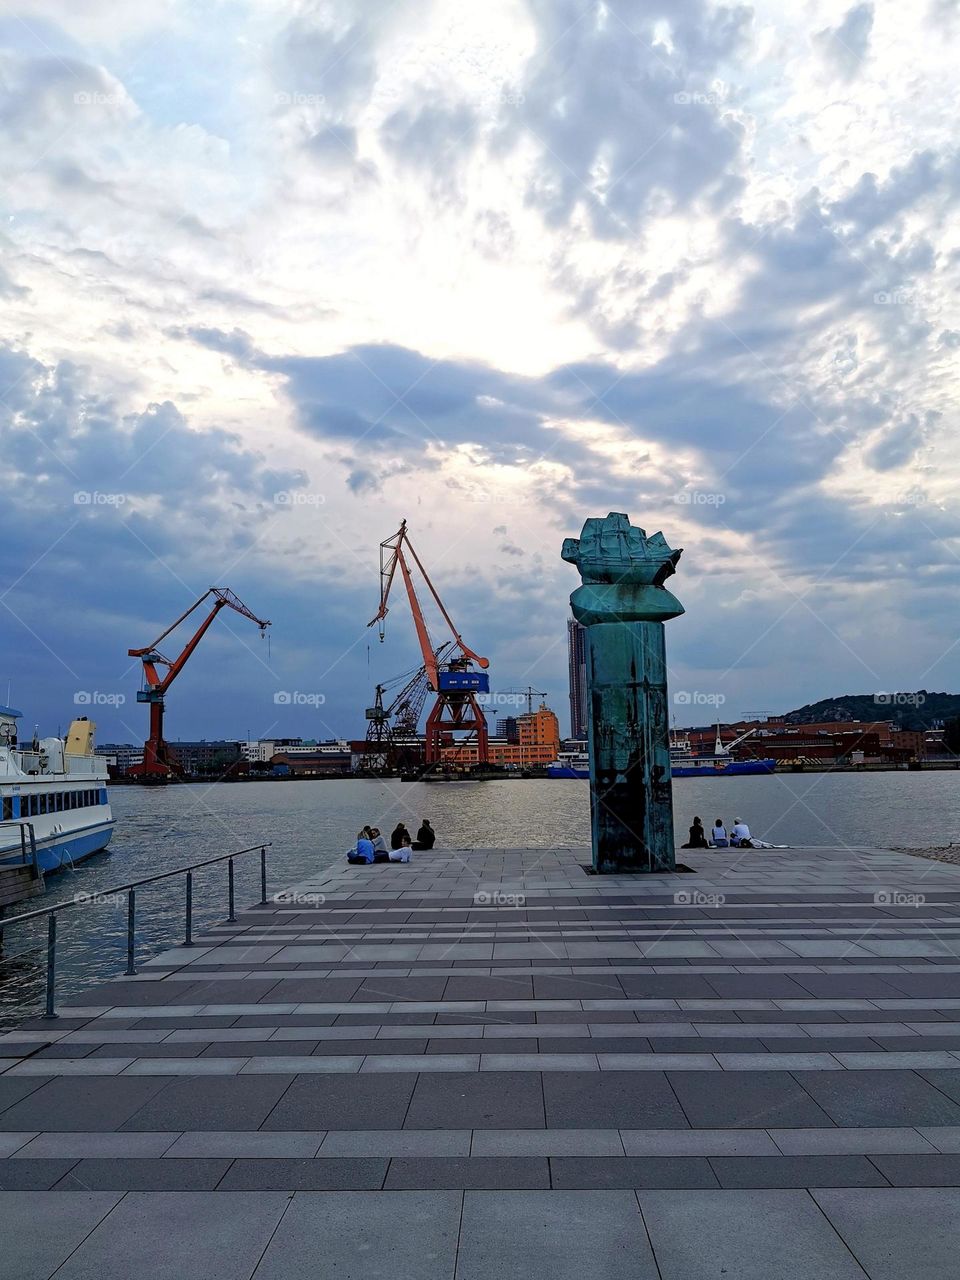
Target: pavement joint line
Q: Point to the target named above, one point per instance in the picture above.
(350, 1064)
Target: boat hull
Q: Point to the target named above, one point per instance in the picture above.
(722, 768)
(66, 849)
(707, 769)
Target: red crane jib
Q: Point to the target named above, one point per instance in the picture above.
(158, 761)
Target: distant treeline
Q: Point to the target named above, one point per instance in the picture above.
(917, 710)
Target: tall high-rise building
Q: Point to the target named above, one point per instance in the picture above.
(577, 667)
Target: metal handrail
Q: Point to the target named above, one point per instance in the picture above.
(26, 832)
(96, 898)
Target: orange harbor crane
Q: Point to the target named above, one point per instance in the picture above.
(454, 679)
(158, 761)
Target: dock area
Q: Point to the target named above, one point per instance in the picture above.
(490, 1064)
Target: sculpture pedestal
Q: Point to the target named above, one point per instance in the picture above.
(623, 605)
(630, 800)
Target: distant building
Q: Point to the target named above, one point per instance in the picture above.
(204, 758)
(319, 762)
(508, 729)
(260, 751)
(577, 675)
(119, 756)
(838, 741)
(538, 744)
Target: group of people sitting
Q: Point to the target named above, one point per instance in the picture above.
(739, 837)
(372, 847)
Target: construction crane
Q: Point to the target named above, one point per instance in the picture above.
(453, 679)
(721, 750)
(158, 761)
(527, 693)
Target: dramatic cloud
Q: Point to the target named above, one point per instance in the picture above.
(273, 282)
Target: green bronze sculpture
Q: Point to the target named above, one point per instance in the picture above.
(623, 605)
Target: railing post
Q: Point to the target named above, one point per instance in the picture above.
(232, 916)
(188, 928)
(51, 963)
(131, 925)
(263, 875)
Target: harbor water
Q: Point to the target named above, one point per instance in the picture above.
(310, 824)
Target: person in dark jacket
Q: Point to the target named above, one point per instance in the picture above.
(399, 836)
(698, 837)
(426, 836)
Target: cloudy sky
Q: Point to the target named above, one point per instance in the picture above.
(275, 274)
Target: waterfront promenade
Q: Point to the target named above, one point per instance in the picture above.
(491, 1064)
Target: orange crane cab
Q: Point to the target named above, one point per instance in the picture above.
(454, 680)
(159, 763)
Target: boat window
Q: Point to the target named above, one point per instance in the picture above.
(7, 808)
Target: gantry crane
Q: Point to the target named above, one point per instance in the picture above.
(392, 730)
(158, 761)
(453, 679)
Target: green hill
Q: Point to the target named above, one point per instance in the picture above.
(917, 710)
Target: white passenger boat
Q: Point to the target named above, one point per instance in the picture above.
(59, 787)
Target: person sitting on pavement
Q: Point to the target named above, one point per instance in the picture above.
(362, 851)
(380, 851)
(399, 836)
(698, 837)
(426, 836)
(740, 835)
(718, 836)
(401, 854)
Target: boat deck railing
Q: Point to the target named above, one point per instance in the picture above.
(102, 895)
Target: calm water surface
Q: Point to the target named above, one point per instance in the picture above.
(310, 825)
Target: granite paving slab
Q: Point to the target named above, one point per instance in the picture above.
(401, 1080)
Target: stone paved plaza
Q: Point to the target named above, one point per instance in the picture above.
(492, 1064)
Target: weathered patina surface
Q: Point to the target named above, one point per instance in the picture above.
(623, 604)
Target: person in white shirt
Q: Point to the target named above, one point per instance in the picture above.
(719, 835)
(740, 833)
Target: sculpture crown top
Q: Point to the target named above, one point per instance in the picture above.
(612, 550)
